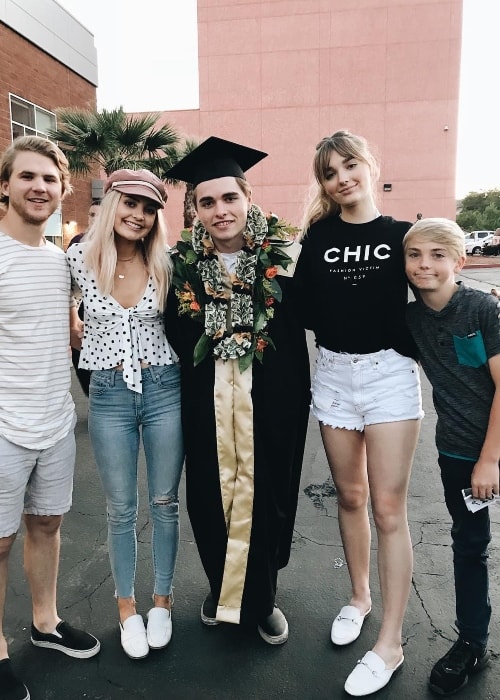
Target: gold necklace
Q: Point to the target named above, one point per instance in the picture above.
(122, 277)
(127, 259)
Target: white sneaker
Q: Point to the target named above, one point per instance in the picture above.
(346, 627)
(159, 631)
(133, 637)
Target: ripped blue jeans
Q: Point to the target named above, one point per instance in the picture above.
(117, 417)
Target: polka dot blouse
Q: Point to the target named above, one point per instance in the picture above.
(115, 335)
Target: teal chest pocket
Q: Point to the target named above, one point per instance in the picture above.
(470, 349)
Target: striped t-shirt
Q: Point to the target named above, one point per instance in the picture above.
(36, 407)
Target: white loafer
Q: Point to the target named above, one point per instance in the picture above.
(369, 675)
(133, 637)
(159, 630)
(347, 625)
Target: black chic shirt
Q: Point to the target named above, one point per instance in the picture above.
(353, 286)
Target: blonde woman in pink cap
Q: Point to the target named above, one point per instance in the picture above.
(123, 272)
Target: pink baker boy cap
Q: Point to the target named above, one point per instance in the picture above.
(142, 183)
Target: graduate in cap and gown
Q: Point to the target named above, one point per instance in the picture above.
(232, 319)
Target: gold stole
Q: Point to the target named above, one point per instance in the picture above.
(235, 451)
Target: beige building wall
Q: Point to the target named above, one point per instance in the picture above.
(279, 75)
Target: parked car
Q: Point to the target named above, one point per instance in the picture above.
(493, 246)
(475, 240)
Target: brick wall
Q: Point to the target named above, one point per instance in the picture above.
(33, 75)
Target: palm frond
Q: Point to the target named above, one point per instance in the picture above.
(177, 154)
(189, 145)
(159, 141)
(111, 139)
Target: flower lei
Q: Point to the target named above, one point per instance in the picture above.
(199, 287)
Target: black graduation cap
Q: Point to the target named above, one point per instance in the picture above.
(215, 158)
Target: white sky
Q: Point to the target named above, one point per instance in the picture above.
(159, 34)
(165, 32)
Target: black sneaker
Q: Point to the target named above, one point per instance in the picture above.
(209, 611)
(274, 628)
(73, 642)
(452, 672)
(11, 687)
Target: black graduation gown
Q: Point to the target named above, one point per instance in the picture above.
(280, 397)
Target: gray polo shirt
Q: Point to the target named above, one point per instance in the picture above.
(455, 345)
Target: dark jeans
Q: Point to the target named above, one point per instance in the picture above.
(83, 375)
(471, 535)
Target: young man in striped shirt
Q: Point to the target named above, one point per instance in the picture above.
(37, 415)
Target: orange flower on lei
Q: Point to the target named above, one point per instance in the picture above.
(261, 344)
(271, 272)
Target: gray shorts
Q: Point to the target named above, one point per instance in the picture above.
(36, 482)
(352, 391)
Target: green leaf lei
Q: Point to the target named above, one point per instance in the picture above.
(202, 296)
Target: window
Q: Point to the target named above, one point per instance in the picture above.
(29, 120)
(53, 230)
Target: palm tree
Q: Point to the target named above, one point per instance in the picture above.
(189, 210)
(111, 139)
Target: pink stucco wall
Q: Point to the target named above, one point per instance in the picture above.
(281, 74)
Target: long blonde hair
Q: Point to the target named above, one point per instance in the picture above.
(100, 254)
(347, 145)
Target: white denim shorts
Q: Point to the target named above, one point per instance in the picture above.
(36, 482)
(352, 391)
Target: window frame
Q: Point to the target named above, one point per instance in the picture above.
(55, 221)
(34, 131)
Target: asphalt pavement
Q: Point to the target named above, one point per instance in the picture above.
(232, 663)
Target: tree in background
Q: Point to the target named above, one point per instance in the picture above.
(112, 139)
(480, 211)
(189, 210)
